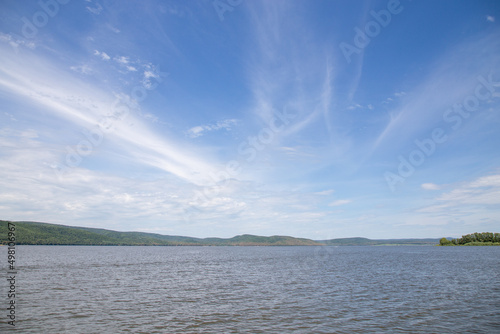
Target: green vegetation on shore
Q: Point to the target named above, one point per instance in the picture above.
(474, 239)
(35, 233)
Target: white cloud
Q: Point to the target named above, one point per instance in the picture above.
(10, 116)
(152, 75)
(483, 192)
(114, 29)
(68, 99)
(172, 10)
(430, 186)
(5, 37)
(196, 131)
(340, 202)
(390, 99)
(151, 117)
(103, 55)
(354, 106)
(122, 60)
(84, 69)
(16, 42)
(325, 192)
(359, 106)
(294, 152)
(490, 18)
(79, 194)
(452, 79)
(304, 84)
(125, 61)
(225, 124)
(199, 130)
(255, 210)
(95, 10)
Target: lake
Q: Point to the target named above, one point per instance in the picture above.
(398, 289)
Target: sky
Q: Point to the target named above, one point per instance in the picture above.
(316, 119)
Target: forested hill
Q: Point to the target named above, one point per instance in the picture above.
(379, 242)
(34, 233)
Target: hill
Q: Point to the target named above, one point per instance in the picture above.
(379, 242)
(35, 233)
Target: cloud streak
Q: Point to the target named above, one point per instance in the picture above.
(200, 130)
(84, 106)
(451, 79)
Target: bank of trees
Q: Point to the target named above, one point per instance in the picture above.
(484, 238)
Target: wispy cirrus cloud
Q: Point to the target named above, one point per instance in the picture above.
(15, 42)
(430, 186)
(482, 192)
(271, 57)
(83, 106)
(83, 196)
(325, 192)
(96, 9)
(451, 79)
(83, 69)
(304, 85)
(340, 202)
(276, 84)
(200, 130)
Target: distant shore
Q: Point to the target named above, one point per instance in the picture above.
(473, 239)
(37, 233)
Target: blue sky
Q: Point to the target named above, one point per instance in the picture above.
(316, 119)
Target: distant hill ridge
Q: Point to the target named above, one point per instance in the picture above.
(36, 233)
(378, 242)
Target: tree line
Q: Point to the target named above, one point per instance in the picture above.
(472, 239)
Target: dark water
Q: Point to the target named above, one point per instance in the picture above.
(73, 289)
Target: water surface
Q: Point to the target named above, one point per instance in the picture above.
(87, 289)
